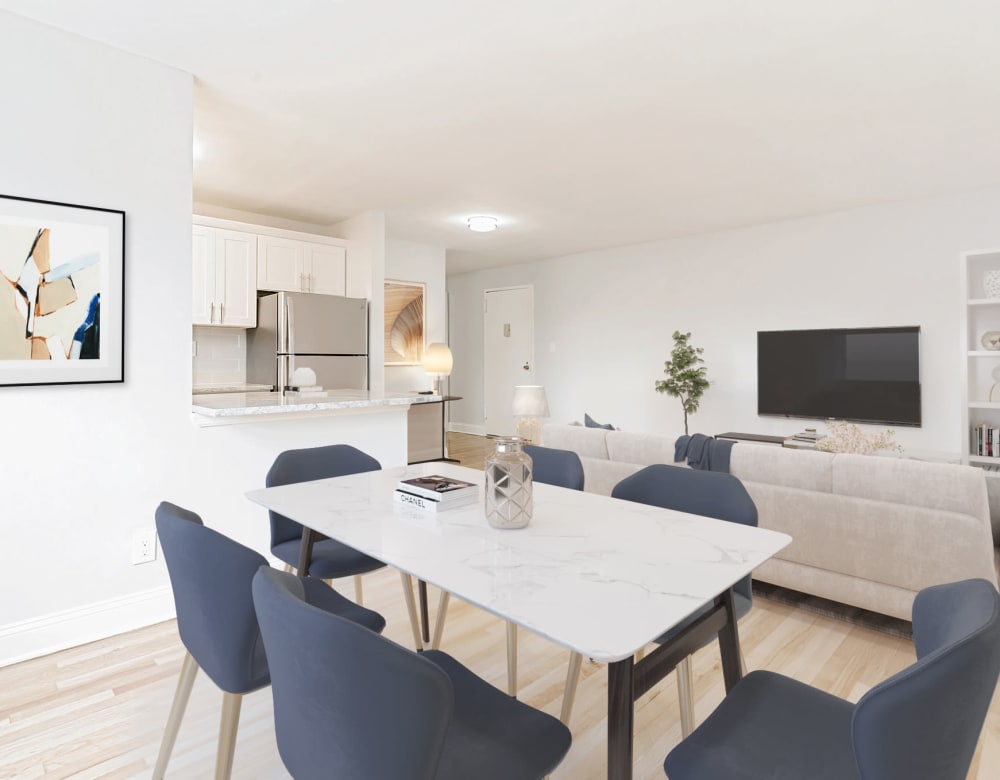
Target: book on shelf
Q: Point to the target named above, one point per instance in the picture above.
(438, 488)
(430, 504)
(986, 441)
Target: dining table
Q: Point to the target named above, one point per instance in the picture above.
(600, 576)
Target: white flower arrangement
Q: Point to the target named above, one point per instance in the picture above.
(846, 437)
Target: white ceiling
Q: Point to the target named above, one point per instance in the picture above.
(581, 124)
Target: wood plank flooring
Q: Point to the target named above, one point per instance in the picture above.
(97, 711)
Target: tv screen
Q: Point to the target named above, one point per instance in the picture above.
(857, 374)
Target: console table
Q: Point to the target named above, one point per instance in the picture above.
(756, 438)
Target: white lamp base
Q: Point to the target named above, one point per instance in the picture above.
(529, 430)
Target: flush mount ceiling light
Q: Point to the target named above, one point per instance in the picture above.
(482, 224)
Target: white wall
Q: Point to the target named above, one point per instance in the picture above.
(413, 262)
(85, 465)
(604, 319)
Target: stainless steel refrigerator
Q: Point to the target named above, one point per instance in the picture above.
(326, 333)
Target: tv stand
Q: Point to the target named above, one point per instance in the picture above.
(756, 438)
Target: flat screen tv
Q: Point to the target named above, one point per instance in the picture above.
(857, 374)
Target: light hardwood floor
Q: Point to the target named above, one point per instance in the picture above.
(98, 711)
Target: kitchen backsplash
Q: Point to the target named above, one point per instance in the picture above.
(220, 356)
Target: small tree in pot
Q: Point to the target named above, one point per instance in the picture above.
(685, 377)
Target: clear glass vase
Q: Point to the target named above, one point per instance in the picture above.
(508, 485)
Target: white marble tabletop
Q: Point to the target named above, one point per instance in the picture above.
(595, 574)
(248, 404)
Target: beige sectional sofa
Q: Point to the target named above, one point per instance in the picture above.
(869, 531)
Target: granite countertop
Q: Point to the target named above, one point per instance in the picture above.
(257, 403)
(244, 388)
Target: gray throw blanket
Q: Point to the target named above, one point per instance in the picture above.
(703, 452)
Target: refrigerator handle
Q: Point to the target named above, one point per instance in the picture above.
(289, 326)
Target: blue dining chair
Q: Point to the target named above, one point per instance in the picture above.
(707, 493)
(211, 577)
(350, 703)
(920, 724)
(330, 558)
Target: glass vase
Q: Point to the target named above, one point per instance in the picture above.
(508, 485)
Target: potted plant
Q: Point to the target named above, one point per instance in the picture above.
(685, 376)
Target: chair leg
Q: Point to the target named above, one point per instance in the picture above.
(512, 659)
(359, 596)
(289, 568)
(685, 695)
(189, 668)
(442, 611)
(231, 704)
(569, 693)
(640, 654)
(411, 608)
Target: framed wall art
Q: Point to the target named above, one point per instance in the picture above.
(404, 322)
(62, 314)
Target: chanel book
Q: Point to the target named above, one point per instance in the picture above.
(430, 504)
(437, 488)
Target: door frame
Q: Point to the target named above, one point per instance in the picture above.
(531, 347)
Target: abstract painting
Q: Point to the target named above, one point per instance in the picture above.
(62, 306)
(404, 323)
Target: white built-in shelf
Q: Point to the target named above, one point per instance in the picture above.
(984, 301)
(984, 353)
(984, 405)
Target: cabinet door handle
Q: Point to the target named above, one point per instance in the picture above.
(302, 282)
(222, 313)
(211, 314)
(309, 284)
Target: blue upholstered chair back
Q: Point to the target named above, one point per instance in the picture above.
(706, 493)
(211, 575)
(923, 723)
(305, 465)
(556, 467)
(347, 702)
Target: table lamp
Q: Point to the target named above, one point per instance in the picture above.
(530, 404)
(437, 363)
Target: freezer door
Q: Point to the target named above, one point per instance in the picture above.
(333, 372)
(323, 325)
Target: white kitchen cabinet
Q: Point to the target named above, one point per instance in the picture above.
(300, 266)
(224, 277)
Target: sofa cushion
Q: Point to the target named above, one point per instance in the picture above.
(590, 422)
(585, 442)
(644, 449)
(805, 470)
(943, 486)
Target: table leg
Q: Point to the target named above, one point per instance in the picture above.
(411, 609)
(425, 621)
(621, 719)
(309, 537)
(729, 644)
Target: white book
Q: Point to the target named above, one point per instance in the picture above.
(429, 504)
(438, 488)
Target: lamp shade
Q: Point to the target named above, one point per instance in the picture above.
(530, 401)
(437, 359)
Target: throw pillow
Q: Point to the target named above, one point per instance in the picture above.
(591, 423)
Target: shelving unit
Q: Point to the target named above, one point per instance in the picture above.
(980, 314)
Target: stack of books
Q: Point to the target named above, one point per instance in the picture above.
(435, 492)
(986, 441)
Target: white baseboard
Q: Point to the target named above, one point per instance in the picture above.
(475, 430)
(56, 631)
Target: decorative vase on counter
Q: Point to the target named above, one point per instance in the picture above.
(991, 284)
(508, 485)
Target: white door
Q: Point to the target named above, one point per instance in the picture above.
(236, 278)
(280, 264)
(326, 268)
(508, 354)
(203, 275)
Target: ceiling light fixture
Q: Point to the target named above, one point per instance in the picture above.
(483, 224)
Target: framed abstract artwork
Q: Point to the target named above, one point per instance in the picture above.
(62, 314)
(404, 322)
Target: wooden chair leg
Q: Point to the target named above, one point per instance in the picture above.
(411, 609)
(289, 568)
(359, 596)
(685, 695)
(512, 659)
(640, 654)
(442, 612)
(569, 693)
(189, 668)
(231, 704)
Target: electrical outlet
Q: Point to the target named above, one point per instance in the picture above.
(143, 545)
